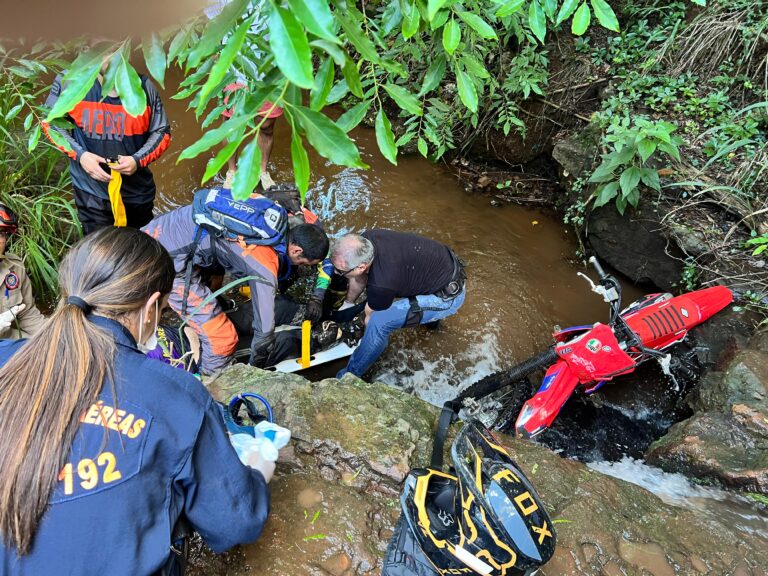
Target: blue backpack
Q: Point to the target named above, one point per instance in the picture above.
(257, 221)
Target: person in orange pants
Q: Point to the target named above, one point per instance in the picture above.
(305, 244)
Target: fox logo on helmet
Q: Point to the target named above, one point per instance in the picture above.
(501, 527)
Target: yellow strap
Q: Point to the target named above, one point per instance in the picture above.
(116, 200)
(306, 331)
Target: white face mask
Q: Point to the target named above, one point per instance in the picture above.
(151, 342)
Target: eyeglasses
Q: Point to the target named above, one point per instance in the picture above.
(343, 272)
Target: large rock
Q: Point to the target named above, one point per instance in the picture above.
(634, 245)
(334, 497)
(726, 440)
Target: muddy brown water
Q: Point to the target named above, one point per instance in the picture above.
(521, 281)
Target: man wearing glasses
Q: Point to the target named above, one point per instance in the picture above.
(409, 279)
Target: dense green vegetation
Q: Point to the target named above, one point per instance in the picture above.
(681, 117)
(33, 179)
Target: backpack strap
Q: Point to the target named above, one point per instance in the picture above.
(188, 274)
(447, 417)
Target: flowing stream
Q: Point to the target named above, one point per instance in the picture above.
(521, 282)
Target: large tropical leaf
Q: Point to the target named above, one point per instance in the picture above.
(327, 138)
(385, 138)
(290, 47)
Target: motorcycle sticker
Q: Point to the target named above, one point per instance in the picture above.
(594, 345)
(684, 312)
(607, 348)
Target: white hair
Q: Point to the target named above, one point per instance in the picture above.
(353, 250)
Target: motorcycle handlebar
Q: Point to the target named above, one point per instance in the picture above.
(598, 268)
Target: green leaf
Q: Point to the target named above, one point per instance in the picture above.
(338, 54)
(154, 56)
(108, 78)
(353, 116)
(210, 41)
(28, 121)
(329, 140)
(603, 173)
(59, 140)
(646, 148)
(474, 66)
(404, 139)
(434, 74)
(467, 91)
(213, 137)
(13, 112)
(338, 92)
(605, 15)
(359, 40)
(606, 194)
(290, 47)
(323, 85)
(217, 163)
(434, 6)
(224, 61)
(316, 16)
(404, 99)
(629, 180)
(650, 177)
(213, 115)
(621, 204)
(568, 8)
(451, 36)
(633, 197)
(411, 20)
(129, 89)
(352, 76)
(537, 20)
(439, 20)
(76, 84)
(34, 138)
(670, 149)
(422, 146)
(581, 20)
(179, 42)
(384, 137)
(478, 25)
(248, 171)
(300, 164)
(509, 8)
(550, 8)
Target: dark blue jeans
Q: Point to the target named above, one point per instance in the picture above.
(382, 323)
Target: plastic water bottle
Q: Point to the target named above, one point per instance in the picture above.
(267, 440)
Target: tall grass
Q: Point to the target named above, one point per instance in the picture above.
(34, 180)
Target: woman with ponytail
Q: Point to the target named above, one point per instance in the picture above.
(103, 449)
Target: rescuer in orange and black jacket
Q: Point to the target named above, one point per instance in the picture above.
(103, 130)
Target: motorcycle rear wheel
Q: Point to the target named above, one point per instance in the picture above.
(499, 380)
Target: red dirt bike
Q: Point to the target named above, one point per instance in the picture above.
(589, 356)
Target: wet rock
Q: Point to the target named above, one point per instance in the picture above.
(337, 565)
(649, 557)
(634, 245)
(726, 440)
(322, 526)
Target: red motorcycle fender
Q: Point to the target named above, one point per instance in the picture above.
(539, 412)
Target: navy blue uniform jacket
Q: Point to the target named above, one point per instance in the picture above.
(166, 452)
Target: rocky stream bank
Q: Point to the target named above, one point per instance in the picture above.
(335, 493)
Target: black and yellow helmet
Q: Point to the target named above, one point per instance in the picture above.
(485, 519)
